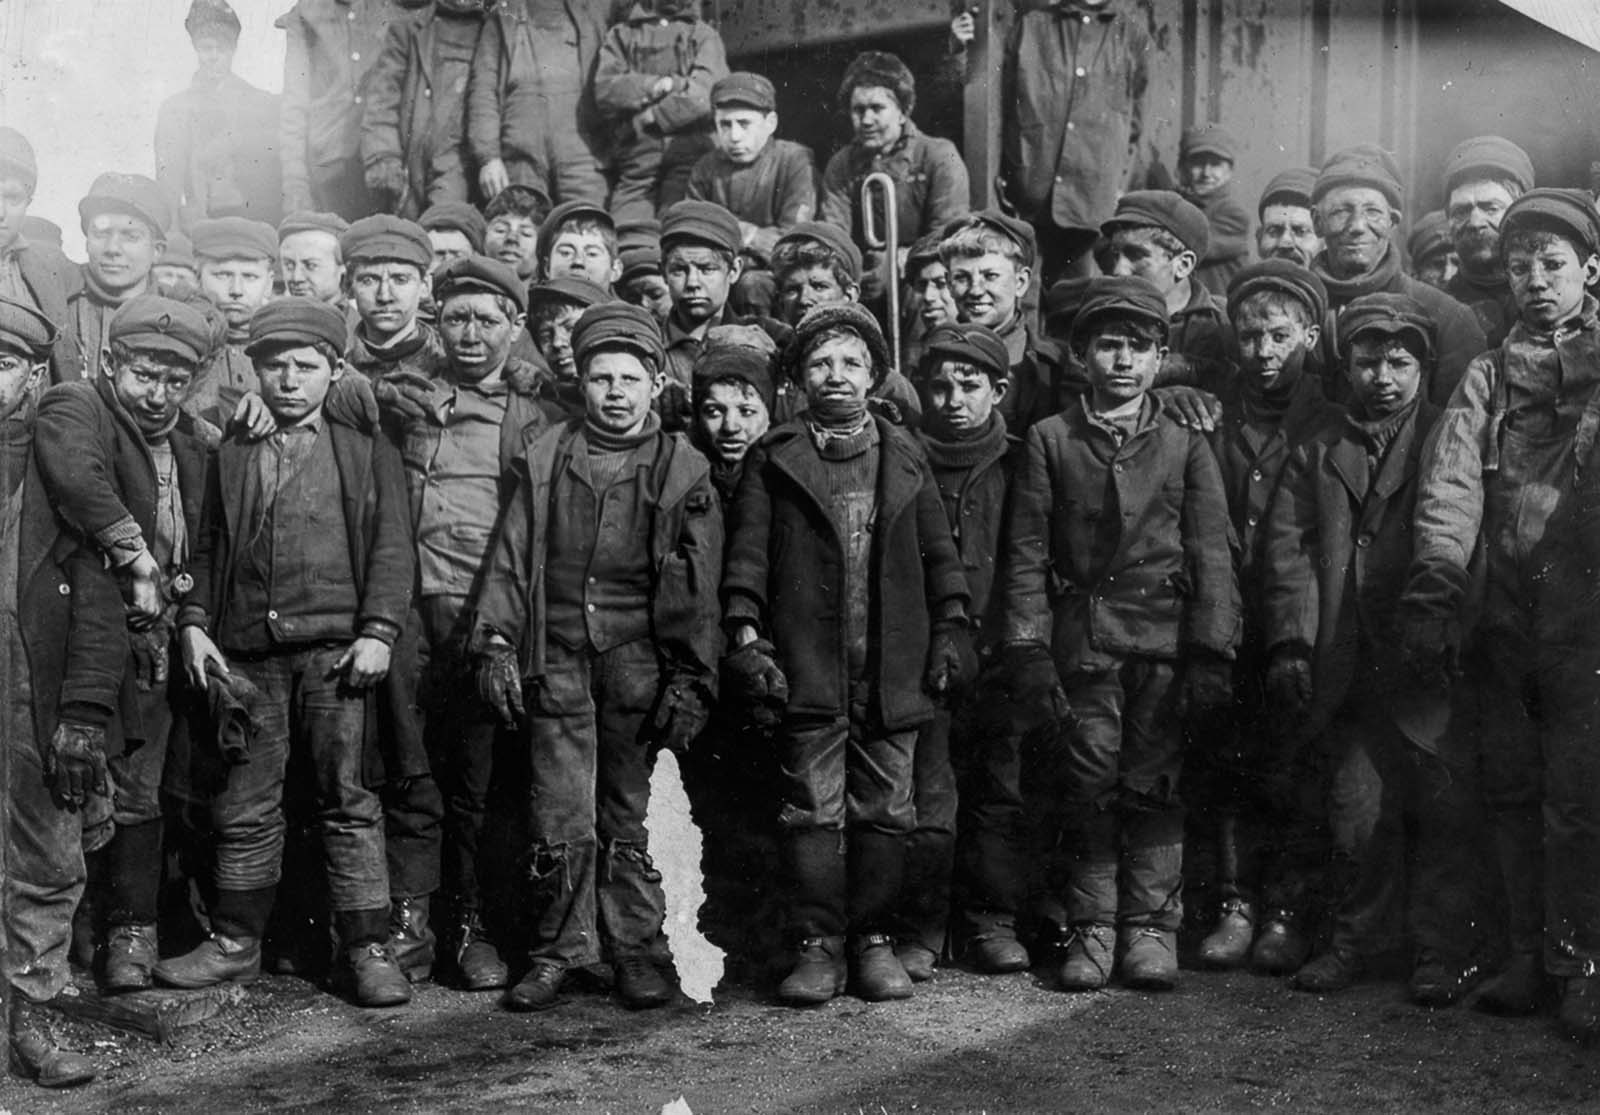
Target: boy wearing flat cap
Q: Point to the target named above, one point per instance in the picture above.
(125, 220)
(641, 281)
(1340, 535)
(33, 270)
(308, 256)
(1287, 230)
(1205, 165)
(456, 230)
(596, 633)
(386, 275)
(1495, 478)
(1482, 177)
(235, 257)
(514, 228)
(1273, 404)
(701, 261)
(840, 544)
(303, 571)
(579, 238)
(1121, 616)
(554, 307)
(126, 468)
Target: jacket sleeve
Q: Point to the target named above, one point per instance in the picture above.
(689, 103)
(97, 642)
(1024, 573)
(943, 572)
(1212, 617)
(744, 580)
(206, 554)
(949, 192)
(619, 90)
(794, 199)
(380, 118)
(835, 203)
(687, 582)
(502, 605)
(1461, 340)
(391, 556)
(483, 92)
(1290, 591)
(78, 474)
(1230, 232)
(294, 111)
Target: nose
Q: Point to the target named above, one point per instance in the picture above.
(1122, 267)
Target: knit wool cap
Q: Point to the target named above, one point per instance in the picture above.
(1208, 139)
(613, 325)
(1020, 233)
(700, 222)
(1570, 210)
(745, 90)
(976, 345)
(1289, 187)
(639, 248)
(480, 275)
(1279, 275)
(1387, 313)
(456, 216)
(881, 70)
(386, 237)
(152, 323)
(829, 236)
(568, 289)
(1487, 157)
(25, 329)
(1429, 235)
(234, 238)
(216, 17)
(296, 320)
(17, 159)
(1166, 210)
(179, 252)
(1123, 296)
(132, 195)
(734, 361)
(308, 221)
(1365, 164)
(851, 316)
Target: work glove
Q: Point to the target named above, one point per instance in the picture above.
(1288, 684)
(500, 684)
(1430, 649)
(386, 176)
(409, 395)
(755, 679)
(1036, 693)
(75, 762)
(682, 712)
(151, 650)
(952, 663)
(1207, 684)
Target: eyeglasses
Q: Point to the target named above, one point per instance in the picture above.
(1342, 217)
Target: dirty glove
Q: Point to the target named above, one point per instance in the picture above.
(408, 395)
(500, 683)
(1430, 648)
(1036, 693)
(952, 663)
(151, 650)
(1289, 689)
(386, 176)
(755, 679)
(681, 712)
(75, 762)
(1207, 683)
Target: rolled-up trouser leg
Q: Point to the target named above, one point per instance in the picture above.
(924, 906)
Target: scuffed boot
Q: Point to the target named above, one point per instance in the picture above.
(1334, 970)
(1440, 980)
(367, 971)
(1280, 948)
(1228, 945)
(410, 939)
(818, 974)
(477, 960)
(232, 952)
(879, 976)
(1521, 987)
(917, 959)
(1579, 1015)
(1149, 958)
(35, 1054)
(1087, 959)
(131, 955)
(640, 983)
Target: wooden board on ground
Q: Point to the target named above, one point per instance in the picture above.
(158, 1014)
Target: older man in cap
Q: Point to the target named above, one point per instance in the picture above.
(302, 583)
(125, 220)
(1357, 201)
(32, 270)
(308, 256)
(126, 468)
(63, 650)
(1482, 177)
(599, 606)
(386, 263)
(235, 255)
(1287, 230)
(1205, 163)
(455, 229)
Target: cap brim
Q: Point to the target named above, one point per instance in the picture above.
(1209, 149)
(159, 342)
(288, 336)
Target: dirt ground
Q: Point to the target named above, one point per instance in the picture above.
(965, 1043)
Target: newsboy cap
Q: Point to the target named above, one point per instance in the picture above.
(1121, 296)
(386, 237)
(179, 252)
(614, 325)
(830, 237)
(1429, 235)
(1572, 211)
(964, 343)
(17, 159)
(1288, 187)
(296, 320)
(24, 329)
(1166, 210)
(1020, 233)
(234, 238)
(152, 323)
(1387, 313)
(746, 90)
(879, 69)
(480, 275)
(1364, 164)
(455, 216)
(700, 222)
(1208, 139)
(850, 316)
(132, 195)
(307, 220)
(1284, 276)
(721, 362)
(1063, 301)
(569, 289)
(639, 248)
(1485, 157)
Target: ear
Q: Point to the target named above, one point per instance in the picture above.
(1313, 336)
(852, 292)
(1183, 264)
(105, 361)
(735, 269)
(339, 367)
(1591, 270)
(1024, 280)
(658, 383)
(36, 376)
(1001, 386)
(616, 270)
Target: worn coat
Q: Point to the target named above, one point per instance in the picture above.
(217, 152)
(976, 517)
(930, 185)
(774, 193)
(786, 571)
(1228, 247)
(52, 278)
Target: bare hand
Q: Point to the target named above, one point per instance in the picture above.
(493, 177)
(145, 599)
(197, 650)
(964, 28)
(661, 88)
(365, 664)
(253, 418)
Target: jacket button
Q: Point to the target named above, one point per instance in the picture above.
(1255, 474)
(1080, 71)
(589, 606)
(1253, 520)
(64, 589)
(1364, 541)
(272, 615)
(1118, 468)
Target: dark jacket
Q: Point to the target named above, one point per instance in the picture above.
(637, 54)
(1201, 341)
(786, 574)
(930, 179)
(1116, 551)
(1228, 247)
(685, 542)
(976, 516)
(1490, 302)
(774, 193)
(217, 152)
(52, 278)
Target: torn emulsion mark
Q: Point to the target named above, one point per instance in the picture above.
(675, 846)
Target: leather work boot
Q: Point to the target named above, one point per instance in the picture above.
(1280, 947)
(131, 955)
(917, 959)
(35, 1054)
(1439, 980)
(1088, 958)
(410, 939)
(477, 959)
(997, 953)
(640, 984)
(371, 977)
(1333, 970)
(818, 973)
(1579, 1015)
(879, 976)
(1149, 958)
(1518, 988)
(1228, 945)
(539, 988)
(217, 959)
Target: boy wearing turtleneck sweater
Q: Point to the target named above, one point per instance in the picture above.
(597, 629)
(1338, 549)
(386, 274)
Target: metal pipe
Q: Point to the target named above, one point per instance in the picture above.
(886, 240)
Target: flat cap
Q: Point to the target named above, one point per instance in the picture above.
(612, 325)
(306, 220)
(881, 70)
(1288, 187)
(1166, 210)
(234, 238)
(700, 222)
(1121, 296)
(1484, 157)
(1284, 276)
(737, 362)
(571, 211)
(133, 195)
(1387, 313)
(1020, 233)
(965, 343)
(296, 320)
(851, 316)
(151, 323)
(746, 90)
(830, 237)
(383, 236)
(17, 159)
(1570, 210)
(480, 275)
(569, 289)
(1365, 164)
(179, 252)
(1429, 235)
(1208, 139)
(211, 16)
(1063, 301)
(639, 247)
(25, 329)
(925, 250)
(457, 216)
